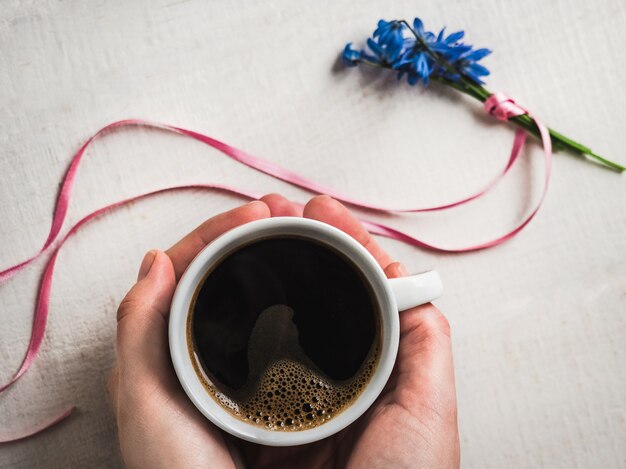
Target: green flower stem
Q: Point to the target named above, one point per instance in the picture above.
(559, 141)
(471, 88)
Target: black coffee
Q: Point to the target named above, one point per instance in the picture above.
(285, 333)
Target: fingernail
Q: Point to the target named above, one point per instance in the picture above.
(402, 270)
(146, 264)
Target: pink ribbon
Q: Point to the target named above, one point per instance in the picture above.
(498, 105)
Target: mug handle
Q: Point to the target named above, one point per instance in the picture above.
(416, 290)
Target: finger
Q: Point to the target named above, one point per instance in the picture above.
(328, 210)
(186, 249)
(142, 317)
(395, 270)
(281, 207)
(425, 370)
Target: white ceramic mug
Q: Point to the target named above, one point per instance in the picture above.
(392, 296)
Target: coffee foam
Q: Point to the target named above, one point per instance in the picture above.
(285, 391)
(291, 396)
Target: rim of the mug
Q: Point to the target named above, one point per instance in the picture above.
(195, 272)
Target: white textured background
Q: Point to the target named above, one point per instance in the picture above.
(539, 324)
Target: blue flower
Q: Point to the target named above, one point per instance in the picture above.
(468, 66)
(388, 35)
(449, 47)
(351, 57)
(384, 55)
(421, 55)
(418, 27)
(417, 64)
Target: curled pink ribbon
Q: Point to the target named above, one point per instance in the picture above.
(498, 105)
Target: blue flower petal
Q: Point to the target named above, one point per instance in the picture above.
(477, 54)
(382, 27)
(454, 37)
(418, 26)
(408, 42)
(440, 47)
(375, 48)
(350, 56)
(477, 69)
(455, 53)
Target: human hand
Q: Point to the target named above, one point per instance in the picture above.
(412, 424)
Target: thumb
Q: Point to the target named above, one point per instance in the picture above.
(424, 367)
(142, 317)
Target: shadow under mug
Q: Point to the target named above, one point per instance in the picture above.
(392, 296)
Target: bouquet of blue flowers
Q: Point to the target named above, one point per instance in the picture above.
(422, 56)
